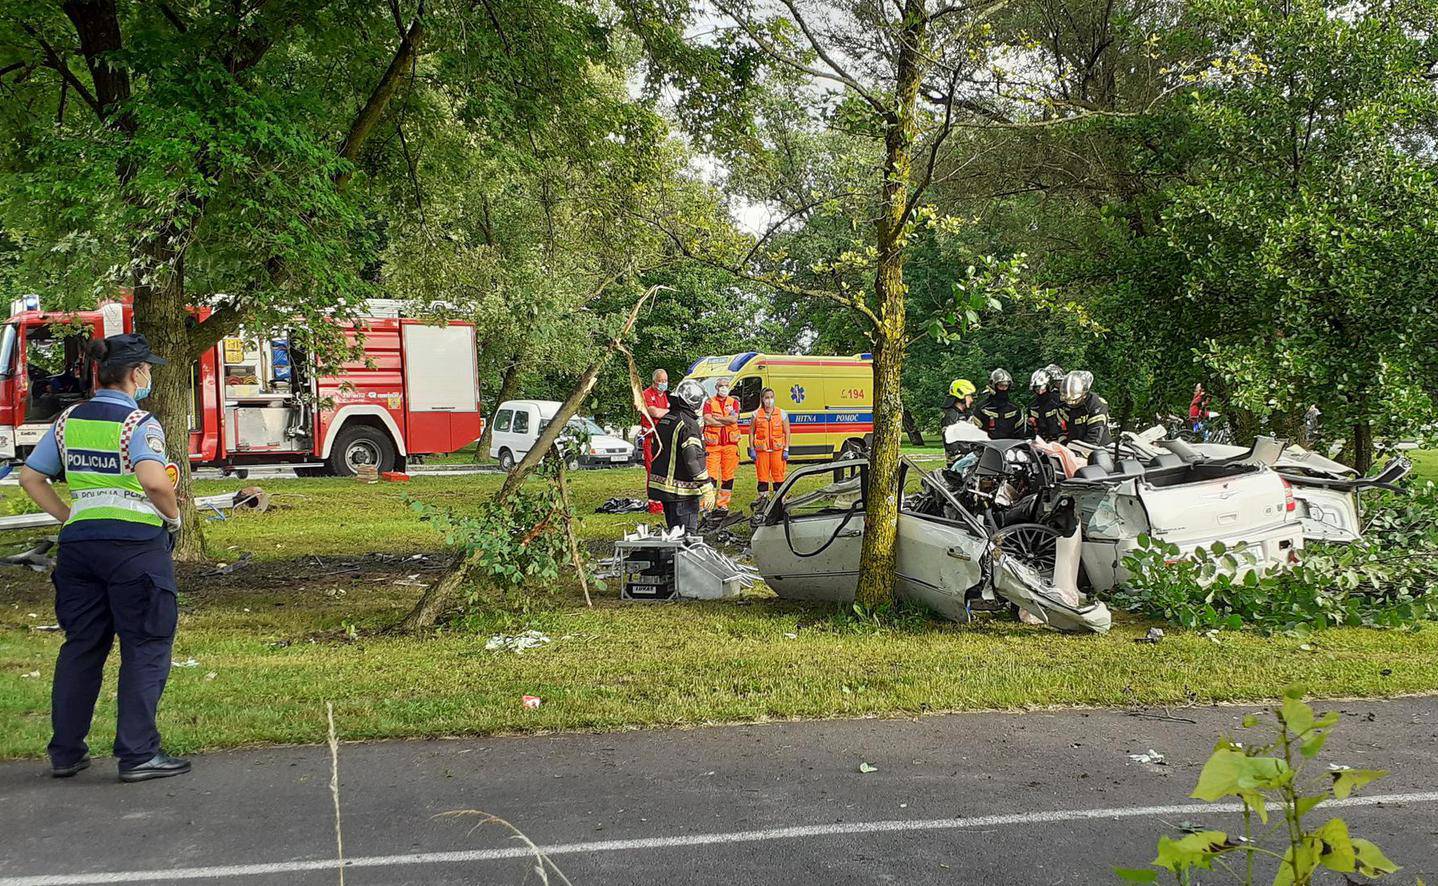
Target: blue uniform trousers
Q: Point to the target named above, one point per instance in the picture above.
(104, 589)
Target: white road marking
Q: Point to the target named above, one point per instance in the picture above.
(789, 833)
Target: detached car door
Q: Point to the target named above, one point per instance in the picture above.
(807, 547)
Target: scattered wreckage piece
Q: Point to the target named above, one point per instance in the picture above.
(37, 557)
(808, 541)
(668, 565)
(251, 496)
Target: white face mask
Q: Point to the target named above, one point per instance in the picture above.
(723, 390)
(768, 402)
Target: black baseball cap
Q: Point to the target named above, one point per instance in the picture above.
(129, 349)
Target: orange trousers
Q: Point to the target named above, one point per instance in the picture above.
(771, 468)
(721, 462)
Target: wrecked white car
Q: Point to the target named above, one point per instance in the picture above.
(1326, 492)
(809, 535)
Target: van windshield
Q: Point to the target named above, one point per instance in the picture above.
(577, 425)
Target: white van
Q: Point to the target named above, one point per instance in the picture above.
(518, 423)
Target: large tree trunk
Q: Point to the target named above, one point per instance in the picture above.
(507, 387)
(881, 515)
(160, 316)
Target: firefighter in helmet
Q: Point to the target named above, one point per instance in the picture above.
(1087, 412)
(958, 408)
(1046, 415)
(678, 478)
(1000, 417)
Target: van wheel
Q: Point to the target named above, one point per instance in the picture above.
(360, 445)
(850, 450)
(506, 460)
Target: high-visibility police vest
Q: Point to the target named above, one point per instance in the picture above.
(94, 442)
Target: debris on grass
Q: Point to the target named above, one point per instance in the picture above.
(1153, 636)
(1152, 756)
(531, 701)
(30, 674)
(187, 663)
(518, 643)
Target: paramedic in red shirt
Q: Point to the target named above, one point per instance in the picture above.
(656, 406)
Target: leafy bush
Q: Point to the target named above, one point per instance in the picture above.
(513, 545)
(1262, 773)
(1389, 579)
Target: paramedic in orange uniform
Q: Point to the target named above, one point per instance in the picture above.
(721, 441)
(769, 442)
(656, 406)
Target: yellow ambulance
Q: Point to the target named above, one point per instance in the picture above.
(830, 400)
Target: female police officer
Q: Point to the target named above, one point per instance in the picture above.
(114, 574)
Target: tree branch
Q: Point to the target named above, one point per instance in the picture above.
(374, 108)
(173, 18)
(57, 64)
(746, 24)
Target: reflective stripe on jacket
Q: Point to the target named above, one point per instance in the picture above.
(768, 432)
(678, 469)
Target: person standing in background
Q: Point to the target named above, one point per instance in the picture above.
(654, 406)
(769, 442)
(721, 442)
(678, 478)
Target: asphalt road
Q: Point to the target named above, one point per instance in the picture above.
(1038, 798)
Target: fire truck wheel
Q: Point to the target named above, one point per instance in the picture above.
(359, 445)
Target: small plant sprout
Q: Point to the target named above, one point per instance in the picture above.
(1276, 783)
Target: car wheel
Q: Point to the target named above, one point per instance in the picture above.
(506, 460)
(359, 446)
(1033, 544)
(851, 449)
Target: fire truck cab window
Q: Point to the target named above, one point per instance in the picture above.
(57, 370)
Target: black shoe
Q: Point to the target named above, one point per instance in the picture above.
(78, 766)
(162, 765)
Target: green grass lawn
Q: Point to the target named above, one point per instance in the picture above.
(303, 624)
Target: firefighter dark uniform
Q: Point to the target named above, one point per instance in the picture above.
(678, 474)
(1000, 417)
(1088, 422)
(113, 576)
(1047, 416)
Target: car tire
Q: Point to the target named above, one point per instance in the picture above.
(359, 445)
(851, 449)
(506, 460)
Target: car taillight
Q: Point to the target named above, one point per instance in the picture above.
(1289, 503)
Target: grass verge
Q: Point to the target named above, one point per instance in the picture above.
(273, 641)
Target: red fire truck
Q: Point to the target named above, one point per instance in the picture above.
(259, 400)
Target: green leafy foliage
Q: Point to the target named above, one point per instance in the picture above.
(1387, 579)
(1268, 772)
(514, 546)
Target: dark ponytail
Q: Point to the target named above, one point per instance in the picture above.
(111, 374)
